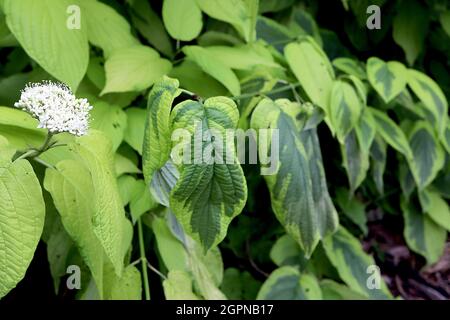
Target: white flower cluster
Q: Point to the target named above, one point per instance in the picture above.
(56, 107)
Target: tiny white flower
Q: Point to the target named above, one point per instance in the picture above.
(56, 107)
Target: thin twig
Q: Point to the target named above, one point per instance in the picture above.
(252, 263)
(156, 271)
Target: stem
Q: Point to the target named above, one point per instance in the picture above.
(280, 89)
(143, 260)
(156, 271)
(33, 152)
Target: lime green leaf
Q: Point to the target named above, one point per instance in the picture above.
(134, 69)
(41, 29)
(422, 234)
(345, 108)
(366, 130)
(73, 194)
(211, 193)
(20, 129)
(106, 28)
(286, 283)
(134, 132)
(157, 135)
(243, 57)
(141, 201)
(96, 153)
(183, 19)
(235, 12)
(298, 187)
(22, 213)
(432, 97)
(391, 133)
(304, 24)
(123, 165)
(194, 79)
(110, 119)
(206, 269)
(387, 78)
(312, 69)
(436, 207)
(149, 24)
(178, 286)
(128, 286)
(350, 260)
(410, 33)
(6, 150)
(351, 67)
(429, 156)
(287, 252)
(214, 67)
(332, 290)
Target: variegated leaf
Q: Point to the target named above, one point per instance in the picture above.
(211, 189)
(298, 188)
(286, 283)
(156, 146)
(387, 78)
(432, 97)
(429, 156)
(352, 263)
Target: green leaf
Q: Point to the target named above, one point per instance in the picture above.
(157, 134)
(134, 69)
(106, 28)
(213, 190)
(235, 12)
(287, 252)
(332, 290)
(22, 213)
(210, 64)
(353, 208)
(274, 5)
(409, 33)
(445, 138)
(350, 67)
(178, 286)
(445, 21)
(298, 187)
(422, 234)
(436, 207)
(286, 283)
(391, 133)
(429, 156)
(345, 108)
(95, 151)
(73, 193)
(110, 119)
(303, 23)
(183, 19)
(387, 78)
(350, 260)
(41, 29)
(123, 165)
(432, 97)
(238, 285)
(312, 69)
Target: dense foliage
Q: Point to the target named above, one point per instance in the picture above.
(358, 118)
